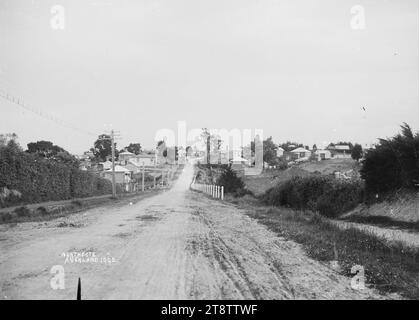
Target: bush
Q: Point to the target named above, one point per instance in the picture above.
(22, 212)
(393, 164)
(5, 217)
(231, 182)
(328, 196)
(41, 211)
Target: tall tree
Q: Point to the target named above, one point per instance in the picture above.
(393, 163)
(134, 148)
(269, 151)
(48, 150)
(103, 148)
(206, 137)
(357, 152)
(44, 149)
(6, 137)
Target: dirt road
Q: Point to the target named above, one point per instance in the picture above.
(176, 245)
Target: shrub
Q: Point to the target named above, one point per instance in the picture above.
(231, 182)
(41, 211)
(22, 212)
(393, 164)
(328, 196)
(242, 192)
(5, 217)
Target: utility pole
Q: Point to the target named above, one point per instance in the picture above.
(143, 178)
(113, 165)
(112, 136)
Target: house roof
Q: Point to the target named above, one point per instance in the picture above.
(118, 169)
(340, 147)
(300, 149)
(145, 156)
(280, 149)
(126, 153)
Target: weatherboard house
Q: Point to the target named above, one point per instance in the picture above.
(323, 154)
(301, 154)
(125, 156)
(340, 151)
(122, 175)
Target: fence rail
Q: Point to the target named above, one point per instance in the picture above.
(213, 190)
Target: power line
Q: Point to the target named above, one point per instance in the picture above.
(20, 102)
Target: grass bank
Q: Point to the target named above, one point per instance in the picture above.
(390, 267)
(56, 209)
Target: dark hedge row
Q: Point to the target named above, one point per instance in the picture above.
(324, 194)
(40, 180)
(393, 164)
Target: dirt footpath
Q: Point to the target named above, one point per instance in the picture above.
(176, 245)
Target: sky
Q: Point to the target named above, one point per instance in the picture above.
(294, 68)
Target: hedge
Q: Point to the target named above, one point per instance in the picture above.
(324, 194)
(37, 180)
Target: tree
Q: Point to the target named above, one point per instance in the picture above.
(134, 148)
(393, 163)
(212, 143)
(6, 138)
(103, 148)
(44, 149)
(206, 137)
(188, 151)
(50, 151)
(356, 153)
(269, 151)
(231, 182)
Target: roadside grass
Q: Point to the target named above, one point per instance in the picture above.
(390, 267)
(58, 210)
(385, 222)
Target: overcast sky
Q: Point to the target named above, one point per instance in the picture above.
(294, 68)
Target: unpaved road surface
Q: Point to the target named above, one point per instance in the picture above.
(178, 244)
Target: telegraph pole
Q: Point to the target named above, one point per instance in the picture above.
(143, 178)
(113, 164)
(112, 136)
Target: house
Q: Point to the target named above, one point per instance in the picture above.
(105, 165)
(148, 160)
(238, 164)
(133, 167)
(122, 175)
(340, 151)
(280, 152)
(125, 156)
(237, 160)
(323, 154)
(300, 154)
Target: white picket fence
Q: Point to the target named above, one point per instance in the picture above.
(210, 189)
